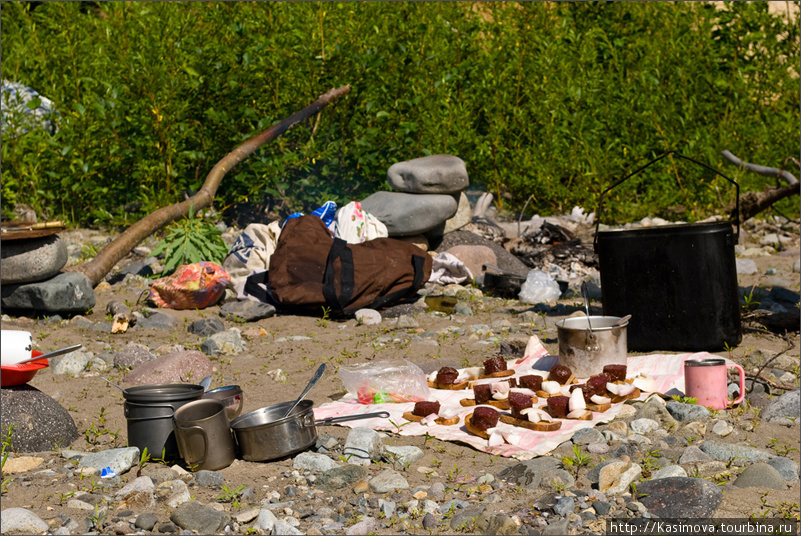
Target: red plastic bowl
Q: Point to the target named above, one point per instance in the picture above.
(19, 374)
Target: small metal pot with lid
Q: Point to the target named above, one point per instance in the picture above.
(149, 410)
(266, 434)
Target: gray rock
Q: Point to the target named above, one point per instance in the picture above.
(464, 214)
(760, 475)
(463, 519)
(387, 508)
(226, 343)
(68, 292)
(327, 444)
(564, 506)
(115, 307)
(71, 364)
(656, 411)
(340, 477)
(21, 521)
(266, 521)
(693, 454)
(388, 480)
(409, 214)
(616, 477)
(406, 322)
(368, 317)
(176, 367)
(284, 527)
(585, 436)
(40, 423)
(497, 524)
(132, 355)
(687, 412)
(142, 483)
(157, 320)
(738, 453)
(119, 460)
(247, 310)
(168, 527)
(146, 521)
(643, 426)
(462, 309)
(430, 522)
(786, 467)
(722, 428)
(593, 474)
(206, 327)
(601, 507)
(543, 473)
(745, 266)
(452, 506)
(782, 294)
(598, 448)
(680, 497)
(312, 461)
(669, 471)
(34, 259)
(434, 174)
(362, 446)
(557, 527)
(191, 515)
(209, 479)
(367, 525)
(401, 456)
(784, 409)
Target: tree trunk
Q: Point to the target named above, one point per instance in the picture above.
(97, 268)
(752, 203)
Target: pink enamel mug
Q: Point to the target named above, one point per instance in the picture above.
(706, 380)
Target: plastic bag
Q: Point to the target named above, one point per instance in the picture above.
(539, 287)
(192, 286)
(380, 382)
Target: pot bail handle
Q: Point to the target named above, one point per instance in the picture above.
(344, 418)
(735, 215)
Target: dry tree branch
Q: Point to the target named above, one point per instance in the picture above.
(97, 268)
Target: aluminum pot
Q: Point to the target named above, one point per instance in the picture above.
(265, 434)
(149, 410)
(586, 352)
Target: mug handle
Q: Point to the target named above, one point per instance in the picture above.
(205, 441)
(742, 383)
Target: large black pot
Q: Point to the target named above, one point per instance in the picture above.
(679, 282)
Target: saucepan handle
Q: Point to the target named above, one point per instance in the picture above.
(335, 420)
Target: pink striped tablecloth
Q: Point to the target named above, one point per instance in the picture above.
(666, 369)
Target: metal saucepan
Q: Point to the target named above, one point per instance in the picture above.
(265, 434)
(586, 352)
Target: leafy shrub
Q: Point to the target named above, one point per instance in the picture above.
(188, 241)
(548, 101)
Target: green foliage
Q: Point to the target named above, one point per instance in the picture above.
(548, 100)
(577, 461)
(191, 240)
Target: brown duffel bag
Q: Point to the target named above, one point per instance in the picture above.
(310, 270)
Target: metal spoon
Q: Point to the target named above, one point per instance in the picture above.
(591, 345)
(205, 383)
(622, 321)
(112, 383)
(312, 382)
(54, 353)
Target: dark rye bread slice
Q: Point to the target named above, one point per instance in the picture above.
(409, 416)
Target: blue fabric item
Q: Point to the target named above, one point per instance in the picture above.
(327, 213)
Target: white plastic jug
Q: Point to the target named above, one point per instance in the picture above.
(15, 346)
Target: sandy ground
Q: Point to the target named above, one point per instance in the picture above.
(93, 403)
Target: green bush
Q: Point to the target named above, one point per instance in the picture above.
(548, 101)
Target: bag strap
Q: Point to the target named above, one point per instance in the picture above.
(253, 286)
(339, 250)
(418, 263)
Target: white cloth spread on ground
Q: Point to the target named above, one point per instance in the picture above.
(666, 369)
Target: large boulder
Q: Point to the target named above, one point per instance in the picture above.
(410, 214)
(65, 293)
(435, 174)
(39, 422)
(35, 259)
(177, 367)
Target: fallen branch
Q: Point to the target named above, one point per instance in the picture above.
(770, 382)
(97, 268)
(752, 203)
(761, 170)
